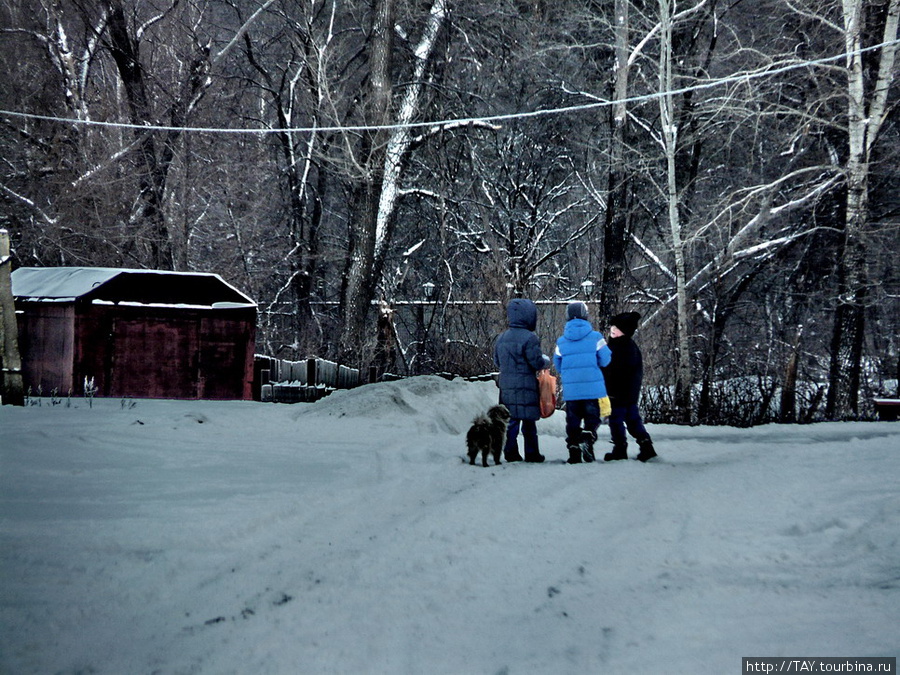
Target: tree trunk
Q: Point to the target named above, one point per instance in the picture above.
(615, 227)
(11, 388)
(725, 308)
(371, 232)
(400, 140)
(683, 375)
(358, 284)
(865, 116)
(788, 407)
(125, 52)
(710, 361)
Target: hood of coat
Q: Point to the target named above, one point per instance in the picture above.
(522, 313)
(577, 329)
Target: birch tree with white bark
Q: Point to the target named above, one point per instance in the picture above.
(669, 129)
(868, 104)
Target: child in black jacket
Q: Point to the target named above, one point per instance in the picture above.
(624, 375)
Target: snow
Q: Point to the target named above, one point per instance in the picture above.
(65, 284)
(61, 283)
(349, 536)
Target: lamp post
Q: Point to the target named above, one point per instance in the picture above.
(428, 293)
(587, 288)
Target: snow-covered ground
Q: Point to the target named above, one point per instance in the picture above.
(348, 536)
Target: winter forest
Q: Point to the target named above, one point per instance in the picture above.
(382, 176)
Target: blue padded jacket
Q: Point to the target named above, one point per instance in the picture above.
(580, 353)
(517, 353)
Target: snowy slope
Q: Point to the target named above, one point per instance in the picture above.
(348, 536)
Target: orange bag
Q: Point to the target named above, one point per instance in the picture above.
(547, 387)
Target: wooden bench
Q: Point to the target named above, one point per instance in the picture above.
(888, 409)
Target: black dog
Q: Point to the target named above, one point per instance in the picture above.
(488, 434)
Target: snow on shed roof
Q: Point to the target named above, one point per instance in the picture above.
(117, 285)
(59, 282)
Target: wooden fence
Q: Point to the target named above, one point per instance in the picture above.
(282, 381)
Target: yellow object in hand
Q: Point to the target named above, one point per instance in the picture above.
(605, 407)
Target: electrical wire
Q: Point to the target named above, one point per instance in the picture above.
(464, 121)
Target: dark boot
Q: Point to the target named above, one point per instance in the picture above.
(511, 452)
(574, 454)
(619, 451)
(647, 452)
(532, 453)
(587, 445)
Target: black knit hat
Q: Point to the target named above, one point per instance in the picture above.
(626, 322)
(576, 310)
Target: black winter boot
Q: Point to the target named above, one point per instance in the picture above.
(511, 453)
(574, 454)
(647, 452)
(587, 445)
(619, 451)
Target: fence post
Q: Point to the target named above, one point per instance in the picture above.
(11, 388)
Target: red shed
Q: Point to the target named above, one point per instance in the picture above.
(139, 333)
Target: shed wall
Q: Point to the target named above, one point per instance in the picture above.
(160, 352)
(155, 357)
(47, 345)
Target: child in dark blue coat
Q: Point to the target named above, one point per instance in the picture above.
(580, 353)
(517, 354)
(624, 375)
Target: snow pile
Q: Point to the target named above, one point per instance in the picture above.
(349, 536)
(438, 404)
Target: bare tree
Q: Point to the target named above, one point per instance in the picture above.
(616, 226)
(295, 84)
(47, 163)
(733, 162)
(117, 178)
(867, 110)
(532, 209)
(380, 157)
(156, 156)
(683, 377)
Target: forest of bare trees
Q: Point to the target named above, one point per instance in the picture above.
(382, 175)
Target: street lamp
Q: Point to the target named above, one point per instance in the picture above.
(428, 290)
(587, 288)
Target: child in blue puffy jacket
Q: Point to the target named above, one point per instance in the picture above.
(580, 354)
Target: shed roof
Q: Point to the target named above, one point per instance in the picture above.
(107, 284)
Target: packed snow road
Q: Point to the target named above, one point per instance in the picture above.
(351, 536)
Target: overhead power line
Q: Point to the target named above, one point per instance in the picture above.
(464, 121)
